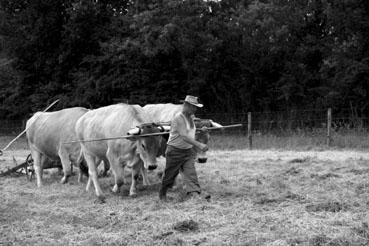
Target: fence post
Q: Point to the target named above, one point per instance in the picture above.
(24, 122)
(249, 129)
(329, 125)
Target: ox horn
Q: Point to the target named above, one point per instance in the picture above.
(166, 128)
(163, 128)
(134, 131)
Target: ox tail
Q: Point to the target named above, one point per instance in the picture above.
(82, 164)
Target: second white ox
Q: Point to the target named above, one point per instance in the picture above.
(112, 121)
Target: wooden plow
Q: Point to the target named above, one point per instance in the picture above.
(24, 168)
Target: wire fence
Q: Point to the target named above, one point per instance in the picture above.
(277, 122)
(11, 127)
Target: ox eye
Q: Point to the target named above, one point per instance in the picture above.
(143, 146)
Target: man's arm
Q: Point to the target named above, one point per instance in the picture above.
(180, 126)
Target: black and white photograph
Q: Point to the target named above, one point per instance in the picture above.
(184, 122)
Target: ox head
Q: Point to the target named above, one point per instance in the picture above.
(202, 137)
(148, 146)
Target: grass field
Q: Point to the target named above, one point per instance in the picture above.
(306, 195)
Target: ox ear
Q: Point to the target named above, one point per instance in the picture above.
(164, 128)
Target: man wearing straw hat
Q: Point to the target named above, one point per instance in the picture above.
(180, 154)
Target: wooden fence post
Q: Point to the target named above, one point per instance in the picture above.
(329, 125)
(24, 122)
(249, 129)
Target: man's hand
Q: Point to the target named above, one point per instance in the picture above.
(204, 129)
(203, 147)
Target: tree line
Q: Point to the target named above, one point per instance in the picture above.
(236, 55)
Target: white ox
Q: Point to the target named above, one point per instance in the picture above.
(112, 121)
(46, 133)
(166, 112)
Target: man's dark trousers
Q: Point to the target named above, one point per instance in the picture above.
(180, 160)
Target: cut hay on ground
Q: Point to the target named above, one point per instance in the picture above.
(258, 198)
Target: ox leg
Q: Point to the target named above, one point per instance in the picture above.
(82, 170)
(60, 170)
(38, 165)
(135, 172)
(144, 174)
(88, 185)
(82, 167)
(89, 180)
(79, 177)
(64, 157)
(106, 168)
(118, 170)
(92, 176)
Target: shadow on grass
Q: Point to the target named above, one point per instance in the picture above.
(324, 176)
(330, 206)
(323, 240)
(267, 199)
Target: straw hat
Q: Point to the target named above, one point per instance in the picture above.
(192, 100)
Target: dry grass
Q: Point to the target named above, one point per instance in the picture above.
(293, 140)
(260, 197)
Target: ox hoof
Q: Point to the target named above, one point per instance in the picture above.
(64, 180)
(133, 195)
(202, 160)
(115, 189)
(100, 200)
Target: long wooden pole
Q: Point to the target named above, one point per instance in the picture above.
(20, 134)
(114, 138)
(147, 135)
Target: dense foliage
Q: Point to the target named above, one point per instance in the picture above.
(236, 55)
